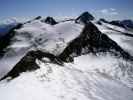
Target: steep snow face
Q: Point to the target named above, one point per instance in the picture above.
(119, 35)
(110, 27)
(82, 80)
(7, 63)
(39, 35)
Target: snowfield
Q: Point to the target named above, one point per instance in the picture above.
(38, 35)
(69, 82)
(89, 77)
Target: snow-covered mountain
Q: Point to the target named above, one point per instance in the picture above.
(127, 24)
(76, 59)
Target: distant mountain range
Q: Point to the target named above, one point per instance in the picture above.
(128, 24)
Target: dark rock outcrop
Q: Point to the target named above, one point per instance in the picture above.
(99, 22)
(84, 18)
(127, 23)
(28, 63)
(117, 23)
(91, 40)
(103, 20)
(50, 20)
(121, 23)
(37, 18)
(6, 39)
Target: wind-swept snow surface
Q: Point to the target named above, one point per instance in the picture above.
(69, 82)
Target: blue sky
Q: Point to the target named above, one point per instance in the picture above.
(110, 9)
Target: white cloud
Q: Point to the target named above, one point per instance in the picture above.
(104, 11)
(110, 11)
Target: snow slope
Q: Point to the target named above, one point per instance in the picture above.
(89, 77)
(116, 33)
(73, 81)
(45, 36)
(38, 35)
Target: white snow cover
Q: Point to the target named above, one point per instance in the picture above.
(38, 35)
(116, 34)
(89, 77)
(45, 36)
(81, 80)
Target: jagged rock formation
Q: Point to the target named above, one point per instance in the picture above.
(84, 18)
(102, 20)
(99, 22)
(28, 63)
(124, 23)
(50, 20)
(117, 23)
(91, 40)
(6, 40)
(37, 18)
(127, 23)
(121, 23)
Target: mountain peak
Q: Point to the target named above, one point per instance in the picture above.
(85, 59)
(91, 40)
(37, 18)
(50, 20)
(84, 18)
